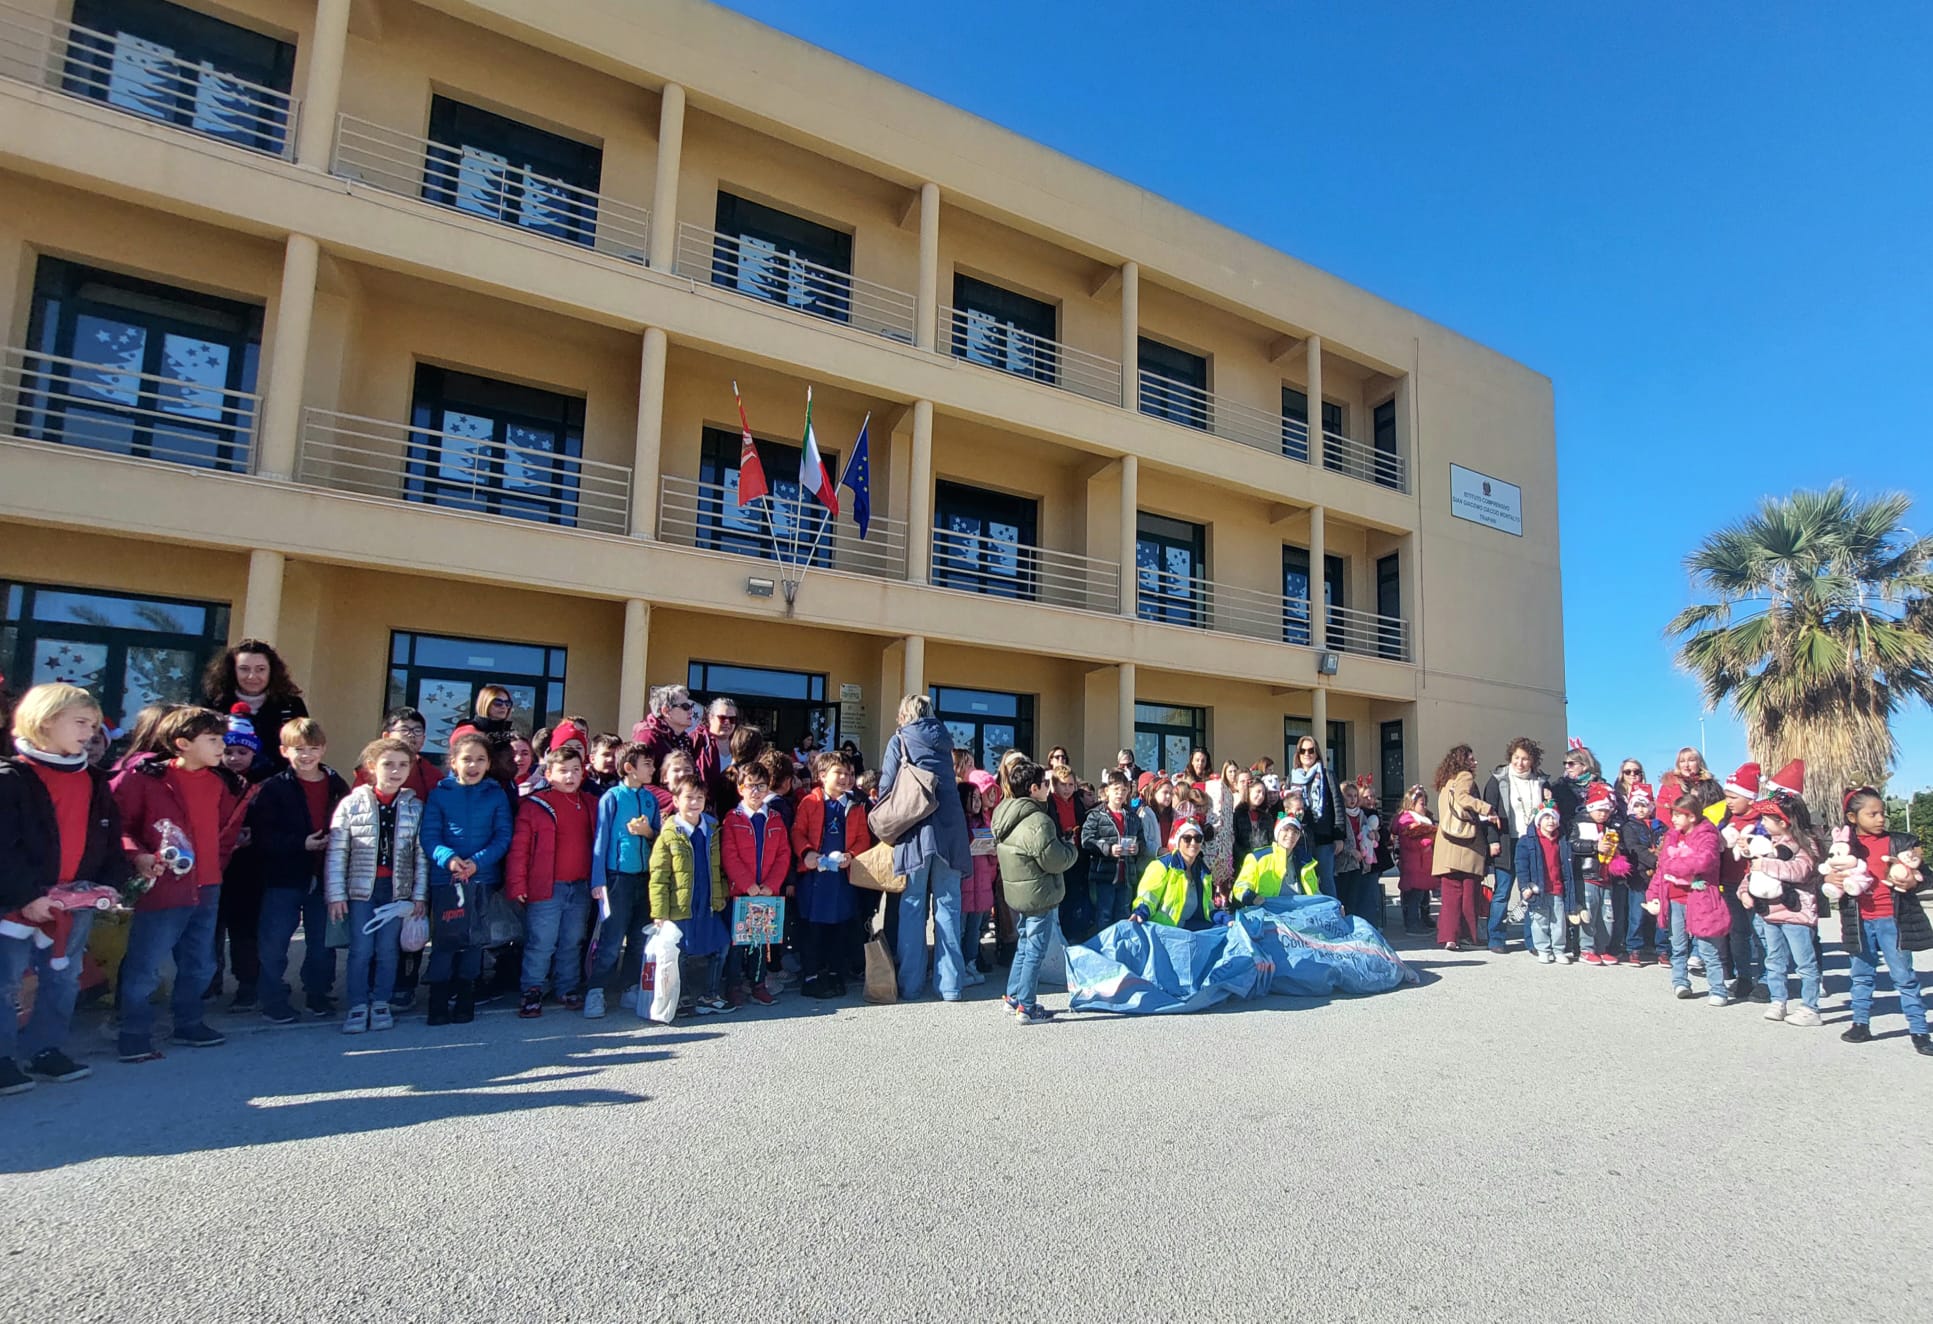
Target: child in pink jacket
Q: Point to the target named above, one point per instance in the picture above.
(1415, 840)
(976, 888)
(1685, 892)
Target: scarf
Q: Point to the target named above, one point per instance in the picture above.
(1525, 795)
(1314, 783)
(46, 759)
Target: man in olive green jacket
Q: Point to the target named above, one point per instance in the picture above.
(1033, 855)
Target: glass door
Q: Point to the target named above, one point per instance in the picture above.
(1170, 574)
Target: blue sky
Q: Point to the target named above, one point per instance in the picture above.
(1706, 223)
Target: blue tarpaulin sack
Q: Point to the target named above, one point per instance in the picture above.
(1315, 950)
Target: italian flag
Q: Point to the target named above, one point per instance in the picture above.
(813, 477)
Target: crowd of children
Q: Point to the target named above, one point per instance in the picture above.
(549, 859)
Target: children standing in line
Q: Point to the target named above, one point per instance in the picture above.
(550, 873)
(189, 791)
(1784, 924)
(688, 888)
(1546, 878)
(467, 828)
(375, 859)
(1597, 902)
(1685, 889)
(1639, 837)
(59, 829)
(1415, 841)
(756, 851)
(288, 834)
(829, 830)
(1886, 918)
(628, 819)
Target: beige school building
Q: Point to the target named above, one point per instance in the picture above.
(403, 333)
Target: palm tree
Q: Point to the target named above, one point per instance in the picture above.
(1819, 630)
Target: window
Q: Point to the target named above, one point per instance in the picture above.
(1392, 763)
(788, 528)
(1295, 422)
(127, 651)
(1170, 574)
(1295, 593)
(781, 258)
(506, 450)
(785, 705)
(1384, 424)
(168, 63)
(135, 368)
(985, 723)
(1166, 734)
(978, 540)
(1004, 330)
(442, 675)
(1174, 384)
(1389, 606)
(1335, 751)
(497, 168)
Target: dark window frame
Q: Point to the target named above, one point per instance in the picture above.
(404, 675)
(1015, 326)
(1154, 603)
(1389, 741)
(438, 392)
(946, 706)
(1335, 739)
(1389, 605)
(1168, 363)
(790, 237)
(718, 453)
(972, 565)
(527, 150)
(1383, 434)
(784, 718)
(1195, 731)
(1335, 586)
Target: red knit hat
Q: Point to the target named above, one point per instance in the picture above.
(1744, 782)
(1790, 779)
(565, 732)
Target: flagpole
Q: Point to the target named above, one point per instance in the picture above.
(814, 549)
(799, 509)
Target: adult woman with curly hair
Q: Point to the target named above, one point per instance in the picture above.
(1460, 857)
(253, 675)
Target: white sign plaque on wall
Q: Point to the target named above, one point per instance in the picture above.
(1488, 501)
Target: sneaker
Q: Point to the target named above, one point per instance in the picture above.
(402, 1002)
(381, 1017)
(1032, 1014)
(1741, 989)
(1859, 1033)
(283, 1014)
(12, 1079)
(1633, 960)
(1761, 994)
(532, 1005)
(594, 1005)
(198, 1036)
(573, 1002)
(1923, 1045)
(322, 1008)
(1498, 951)
(1664, 959)
(1545, 958)
(1566, 958)
(132, 1049)
(627, 1000)
(1802, 1015)
(357, 1020)
(1683, 993)
(1775, 1012)
(1010, 1002)
(244, 998)
(1590, 958)
(703, 1007)
(718, 1006)
(1695, 965)
(762, 995)
(1719, 999)
(52, 1064)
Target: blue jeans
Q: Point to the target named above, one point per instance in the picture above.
(1111, 903)
(1634, 918)
(380, 949)
(554, 934)
(1789, 947)
(1030, 936)
(1682, 947)
(284, 909)
(188, 934)
(938, 883)
(1879, 941)
(1326, 868)
(54, 994)
(1604, 920)
(1544, 920)
(1504, 879)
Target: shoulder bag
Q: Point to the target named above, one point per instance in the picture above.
(914, 797)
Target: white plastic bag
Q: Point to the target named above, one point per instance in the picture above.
(662, 951)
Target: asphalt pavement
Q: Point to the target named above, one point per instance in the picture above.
(1501, 1141)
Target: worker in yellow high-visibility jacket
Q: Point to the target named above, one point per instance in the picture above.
(1272, 870)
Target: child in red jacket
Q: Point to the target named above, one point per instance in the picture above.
(757, 852)
(180, 821)
(1686, 893)
(549, 871)
(829, 830)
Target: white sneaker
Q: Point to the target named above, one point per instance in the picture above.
(1803, 1015)
(1567, 958)
(628, 1000)
(357, 1020)
(1545, 958)
(381, 1017)
(1775, 1012)
(594, 1004)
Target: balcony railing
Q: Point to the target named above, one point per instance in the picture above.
(782, 529)
(760, 271)
(481, 184)
(1367, 634)
(1006, 348)
(1197, 603)
(992, 568)
(380, 458)
(145, 79)
(1345, 455)
(1192, 407)
(109, 407)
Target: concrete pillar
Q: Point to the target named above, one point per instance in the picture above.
(1318, 605)
(912, 670)
(631, 690)
(1319, 719)
(1313, 372)
(315, 126)
(1131, 335)
(288, 359)
(1126, 713)
(928, 300)
(919, 496)
(650, 436)
(1130, 528)
(661, 250)
(262, 605)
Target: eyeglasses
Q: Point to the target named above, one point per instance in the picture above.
(1632, 772)
(724, 718)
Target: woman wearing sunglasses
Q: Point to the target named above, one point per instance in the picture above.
(1321, 809)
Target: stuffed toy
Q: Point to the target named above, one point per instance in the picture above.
(1903, 870)
(1839, 857)
(1758, 883)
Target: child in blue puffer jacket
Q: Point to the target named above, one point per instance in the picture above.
(466, 834)
(628, 819)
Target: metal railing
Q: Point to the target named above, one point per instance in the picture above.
(378, 457)
(144, 78)
(480, 183)
(1197, 603)
(1367, 634)
(980, 338)
(759, 270)
(1295, 438)
(1356, 459)
(1192, 407)
(973, 563)
(113, 408)
(782, 528)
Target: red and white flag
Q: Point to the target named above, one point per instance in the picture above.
(751, 473)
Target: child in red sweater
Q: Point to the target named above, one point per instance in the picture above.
(549, 870)
(757, 849)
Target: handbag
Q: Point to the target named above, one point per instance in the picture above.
(1454, 825)
(914, 797)
(882, 980)
(499, 919)
(873, 871)
(336, 934)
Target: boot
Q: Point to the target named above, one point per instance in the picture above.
(439, 1008)
(465, 1009)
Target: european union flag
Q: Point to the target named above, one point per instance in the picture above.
(859, 478)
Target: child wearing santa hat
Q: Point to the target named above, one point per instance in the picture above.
(1639, 836)
(1597, 904)
(1740, 949)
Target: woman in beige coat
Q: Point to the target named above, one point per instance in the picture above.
(1459, 857)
